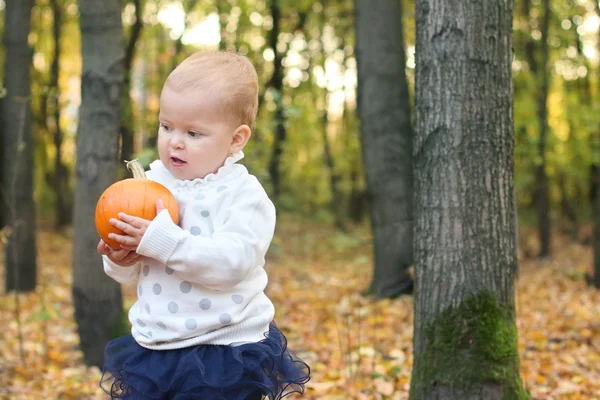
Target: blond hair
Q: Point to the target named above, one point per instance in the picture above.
(228, 78)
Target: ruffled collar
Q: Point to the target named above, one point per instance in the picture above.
(225, 170)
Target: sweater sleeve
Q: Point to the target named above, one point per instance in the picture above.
(239, 242)
(118, 273)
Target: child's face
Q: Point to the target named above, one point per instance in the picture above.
(193, 139)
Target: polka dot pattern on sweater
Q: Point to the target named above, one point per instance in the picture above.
(237, 298)
(185, 287)
(178, 302)
(191, 324)
(205, 304)
(225, 318)
(156, 288)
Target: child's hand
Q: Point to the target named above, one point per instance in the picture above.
(134, 228)
(124, 258)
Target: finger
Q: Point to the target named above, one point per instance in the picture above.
(159, 206)
(122, 226)
(118, 255)
(136, 222)
(123, 239)
(103, 248)
(130, 258)
(129, 248)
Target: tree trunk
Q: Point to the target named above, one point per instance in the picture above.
(567, 208)
(60, 179)
(542, 195)
(3, 213)
(597, 230)
(126, 128)
(596, 186)
(465, 335)
(16, 187)
(97, 298)
(223, 10)
(276, 83)
(337, 204)
(188, 7)
(386, 139)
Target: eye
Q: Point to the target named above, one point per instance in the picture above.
(165, 127)
(194, 134)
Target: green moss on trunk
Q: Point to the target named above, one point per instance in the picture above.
(468, 346)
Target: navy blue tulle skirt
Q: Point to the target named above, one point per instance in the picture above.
(208, 372)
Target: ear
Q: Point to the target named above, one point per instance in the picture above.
(241, 135)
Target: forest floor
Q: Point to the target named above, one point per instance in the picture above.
(358, 347)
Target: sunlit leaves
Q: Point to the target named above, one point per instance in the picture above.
(358, 348)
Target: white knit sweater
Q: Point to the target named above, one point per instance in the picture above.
(203, 282)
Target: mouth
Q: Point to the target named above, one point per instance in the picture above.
(178, 162)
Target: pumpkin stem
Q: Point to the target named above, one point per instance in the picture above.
(136, 168)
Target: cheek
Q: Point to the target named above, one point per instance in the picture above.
(162, 144)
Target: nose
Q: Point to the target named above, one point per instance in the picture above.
(176, 141)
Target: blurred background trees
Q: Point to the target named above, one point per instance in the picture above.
(307, 148)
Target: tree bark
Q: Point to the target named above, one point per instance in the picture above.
(465, 335)
(386, 139)
(126, 129)
(3, 213)
(337, 204)
(60, 180)
(97, 298)
(223, 10)
(276, 83)
(542, 190)
(188, 7)
(597, 230)
(596, 186)
(16, 188)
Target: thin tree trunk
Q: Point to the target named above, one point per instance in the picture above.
(126, 128)
(276, 83)
(16, 188)
(568, 210)
(542, 195)
(188, 7)
(97, 298)
(465, 335)
(386, 138)
(63, 205)
(223, 9)
(596, 186)
(3, 208)
(337, 205)
(596, 222)
(161, 70)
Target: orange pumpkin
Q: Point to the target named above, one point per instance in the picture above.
(135, 196)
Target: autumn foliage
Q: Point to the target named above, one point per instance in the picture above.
(358, 347)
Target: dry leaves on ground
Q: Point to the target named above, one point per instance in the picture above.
(358, 348)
